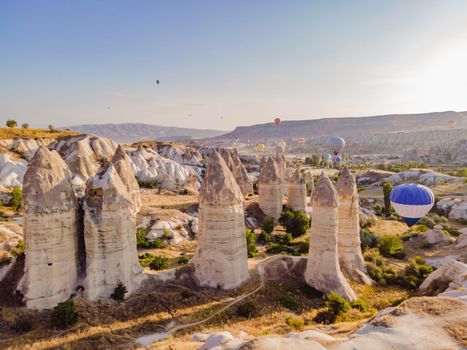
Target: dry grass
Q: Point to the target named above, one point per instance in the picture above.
(10, 133)
(389, 227)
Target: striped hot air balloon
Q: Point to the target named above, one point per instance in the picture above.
(412, 202)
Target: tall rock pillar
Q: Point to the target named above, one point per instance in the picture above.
(323, 271)
(296, 197)
(109, 234)
(348, 238)
(270, 192)
(221, 258)
(50, 231)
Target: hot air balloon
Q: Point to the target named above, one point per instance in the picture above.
(261, 147)
(301, 141)
(336, 144)
(327, 157)
(277, 121)
(338, 159)
(282, 144)
(412, 201)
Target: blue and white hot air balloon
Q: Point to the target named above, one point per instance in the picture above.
(412, 201)
(338, 159)
(327, 157)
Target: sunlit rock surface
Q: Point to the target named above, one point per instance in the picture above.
(323, 270)
(348, 237)
(296, 197)
(270, 192)
(109, 234)
(50, 231)
(221, 255)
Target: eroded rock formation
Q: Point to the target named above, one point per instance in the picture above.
(348, 237)
(281, 166)
(50, 230)
(323, 270)
(270, 192)
(221, 255)
(109, 234)
(296, 197)
(233, 162)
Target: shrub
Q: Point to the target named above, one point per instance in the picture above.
(289, 302)
(25, 126)
(16, 198)
(183, 260)
(415, 273)
(295, 322)
(374, 256)
(383, 275)
(250, 243)
(268, 225)
(247, 309)
(368, 239)
(284, 239)
(359, 304)
(19, 249)
(295, 222)
(391, 246)
(143, 242)
(119, 292)
(159, 263)
(22, 324)
(11, 123)
(337, 304)
(64, 315)
(264, 237)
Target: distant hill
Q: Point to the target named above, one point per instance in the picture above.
(132, 132)
(353, 127)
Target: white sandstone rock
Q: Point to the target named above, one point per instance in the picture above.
(50, 231)
(296, 197)
(270, 192)
(323, 270)
(447, 273)
(436, 236)
(109, 231)
(348, 237)
(221, 255)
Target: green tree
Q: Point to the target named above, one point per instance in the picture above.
(16, 198)
(159, 263)
(11, 123)
(387, 188)
(268, 225)
(119, 292)
(64, 314)
(391, 246)
(250, 243)
(295, 222)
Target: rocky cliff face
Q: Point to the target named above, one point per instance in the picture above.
(270, 192)
(109, 234)
(50, 230)
(348, 237)
(323, 269)
(221, 255)
(239, 172)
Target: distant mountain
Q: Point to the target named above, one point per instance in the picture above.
(353, 127)
(132, 132)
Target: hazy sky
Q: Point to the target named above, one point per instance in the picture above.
(66, 62)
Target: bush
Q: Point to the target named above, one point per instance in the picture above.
(268, 225)
(415, 273)
(359, 304)
(119, 292)
(16, 198)
(383, 275)
(264, 237)
(391, 246)
(19, 249)
(64, 315)
(143, 242)
(337, 304)
(295, 222)
(25, 126)
(183, 260)
(247, 309)
(250, 243)
(368, 239)
(159, 263)
(284, 239)
(295, 322)
(11, 123)
(289, 302)
(22, 324)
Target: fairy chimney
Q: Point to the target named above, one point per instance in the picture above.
(221, 258)
(50, 232)
(296, 197)
(109, 234)
(270, 193)
(348, 237)
(323, 270)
